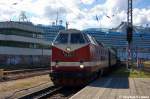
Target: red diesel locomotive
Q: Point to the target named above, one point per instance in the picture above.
(77, 58)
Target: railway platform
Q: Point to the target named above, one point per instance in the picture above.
(116, 88)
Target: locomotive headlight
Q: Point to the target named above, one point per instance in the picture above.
(68, 49)
(81, 66)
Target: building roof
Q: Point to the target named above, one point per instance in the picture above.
(26, 26)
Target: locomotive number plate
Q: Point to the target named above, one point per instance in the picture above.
(69, 54)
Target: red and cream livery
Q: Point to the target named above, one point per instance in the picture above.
(77, 58)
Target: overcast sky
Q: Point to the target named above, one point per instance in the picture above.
(80, 14)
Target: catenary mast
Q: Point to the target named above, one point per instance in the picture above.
(129, 33)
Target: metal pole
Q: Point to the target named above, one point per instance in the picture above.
(137, 61)
(129, 30)
(127, 49)
(57, 18)
(129, 55)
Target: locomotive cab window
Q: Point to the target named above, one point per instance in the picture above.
(62, 39)
(77, 38)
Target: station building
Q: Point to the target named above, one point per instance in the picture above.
(116, 38)
(50, 31)
(22, 44)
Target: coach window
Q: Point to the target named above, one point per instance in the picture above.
(62, 39)
(77, 39)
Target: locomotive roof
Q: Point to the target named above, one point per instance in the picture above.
(89, 37)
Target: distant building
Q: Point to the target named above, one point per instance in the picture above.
(50, 31)
(116, 38)
(21, 44)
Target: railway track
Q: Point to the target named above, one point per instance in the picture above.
(20, 74)
(52, 92)
(45, 90)
(65, 93)
(23, 70)
(42, 94)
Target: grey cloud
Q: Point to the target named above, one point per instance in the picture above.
(51, 12)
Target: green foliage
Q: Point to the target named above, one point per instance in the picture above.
(134, 73)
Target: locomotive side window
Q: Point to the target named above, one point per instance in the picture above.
(94, 40)
(86, 38)
(91, 40)
(62, 39)
(77, 38)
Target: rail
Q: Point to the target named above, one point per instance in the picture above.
(23, 70)
(21, 74)
(42, 94)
